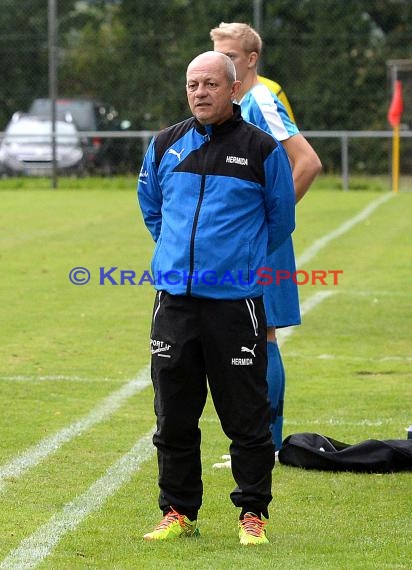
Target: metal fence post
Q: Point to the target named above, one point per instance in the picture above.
(345, 161)
(52, 22)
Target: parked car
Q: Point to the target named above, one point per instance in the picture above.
(106, 155)
(27, 148)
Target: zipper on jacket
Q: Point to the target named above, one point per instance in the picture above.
(195, 220)
(192, 237)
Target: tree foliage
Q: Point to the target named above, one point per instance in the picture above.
(330, 55)
(23, 53)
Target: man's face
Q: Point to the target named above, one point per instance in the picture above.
(209, 92)
(233, 49)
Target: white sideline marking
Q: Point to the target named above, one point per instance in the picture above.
(35, 454)
(54, 378)
(320, 243)
(350, 358)
(33, 549)
(342, 422)
(306, 306)
(309, 253)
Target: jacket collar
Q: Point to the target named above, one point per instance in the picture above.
(223, 128)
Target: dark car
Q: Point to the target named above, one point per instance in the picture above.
(27, 149)
(106, 155)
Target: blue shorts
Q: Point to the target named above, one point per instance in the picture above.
(282, 301)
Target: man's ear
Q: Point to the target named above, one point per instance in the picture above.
(252, 60)
(235, 89)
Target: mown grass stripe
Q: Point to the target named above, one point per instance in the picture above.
(33, 549)
(37, 453)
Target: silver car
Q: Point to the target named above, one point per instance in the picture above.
(27, 149)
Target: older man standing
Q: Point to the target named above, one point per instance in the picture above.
(216, 194)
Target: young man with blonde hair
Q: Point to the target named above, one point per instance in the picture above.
(243, 45)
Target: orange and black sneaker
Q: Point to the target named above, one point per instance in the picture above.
(173, 525)
(252, 530)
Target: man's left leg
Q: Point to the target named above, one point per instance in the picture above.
(234, 341)
(276, 383)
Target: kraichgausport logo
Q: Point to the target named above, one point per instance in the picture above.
(262, 276)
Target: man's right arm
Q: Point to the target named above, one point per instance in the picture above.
(149, 193)
(280, 198)
(306, 164)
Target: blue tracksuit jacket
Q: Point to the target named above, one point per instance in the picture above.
(216, 200)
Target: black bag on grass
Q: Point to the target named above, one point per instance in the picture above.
(315, 451)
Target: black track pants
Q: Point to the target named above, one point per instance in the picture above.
(224, 341)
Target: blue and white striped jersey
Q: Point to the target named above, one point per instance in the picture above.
(262, 108)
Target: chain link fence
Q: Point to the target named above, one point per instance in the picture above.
(130, 57)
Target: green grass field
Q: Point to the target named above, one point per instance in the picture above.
(78, 477)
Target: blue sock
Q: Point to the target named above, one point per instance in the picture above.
(276, 382)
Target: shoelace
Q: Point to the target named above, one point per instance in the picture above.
(169, 518)
(253, 525)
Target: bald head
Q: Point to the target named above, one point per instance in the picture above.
(215, 59)
(211, 87)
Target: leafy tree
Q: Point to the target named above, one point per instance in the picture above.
(329, 55)
(161, 38)
(23, 54)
